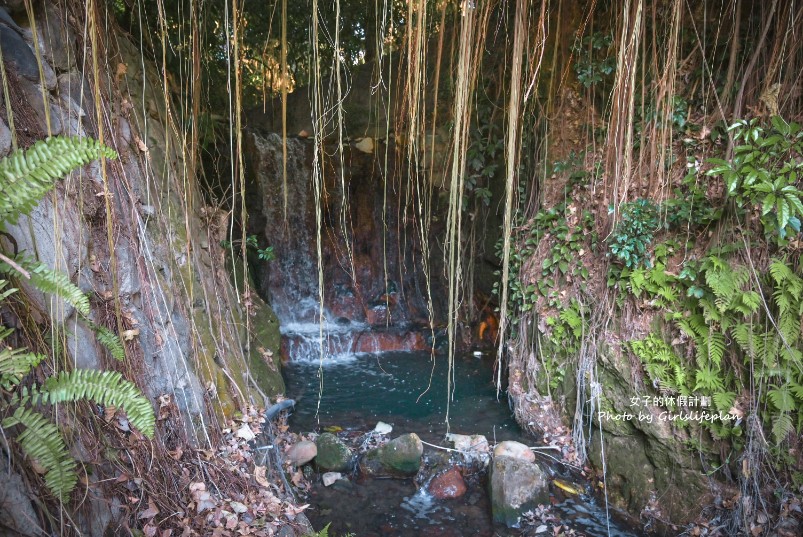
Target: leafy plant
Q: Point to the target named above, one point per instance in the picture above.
(634, 232)
(24, 177)
(593, 64)
(252, 244)
(763, 174)
(662, 365)
(690, 208)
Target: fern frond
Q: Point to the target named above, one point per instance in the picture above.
(26, 176)
(110, 340)
(572, 317)
(781, 398)
(51, 281)
(744, 336)
(782, 426)
(723, 401)
(780, 271)
(104, 387)
(42, 441)
(716, 347)
(708, 380)
(15, 364)
(8, 292)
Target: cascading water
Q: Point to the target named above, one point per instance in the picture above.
(372, 295)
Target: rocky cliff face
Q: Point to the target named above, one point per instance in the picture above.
(150, 248)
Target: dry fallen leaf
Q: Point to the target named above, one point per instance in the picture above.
(150, 512)
(246, 433)
(297, 478)
(259, 475)
(122, 69)
(128, 335)
(109, 412)
(140, 144)
(238, 507)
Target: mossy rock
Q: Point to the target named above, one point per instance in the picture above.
(333, 454)
(401, 457)
(265, 358)
(516, 486)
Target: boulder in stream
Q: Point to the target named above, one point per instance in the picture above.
(515, 450)
(516, 486)
(302, 452)
(333, 454)
(401, 457)
(448, 485)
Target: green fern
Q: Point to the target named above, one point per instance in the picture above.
(50, 281)
(110, 340)
(708, 380)
(782, 425)
(107, 388)
(42, 441)
(26, 176)
(781, 398)
(15, 363)
(723, 401)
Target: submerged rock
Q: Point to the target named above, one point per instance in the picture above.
(401, 457)
(516, 486)
(448, 485)
(333, 454)
(514, 450)
(476, 443)
(302, 452)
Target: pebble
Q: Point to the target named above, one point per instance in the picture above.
(383, 428)
(329, 478)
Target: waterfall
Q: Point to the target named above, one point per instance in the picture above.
(360, 312)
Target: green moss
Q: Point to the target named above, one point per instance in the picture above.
(265, 356)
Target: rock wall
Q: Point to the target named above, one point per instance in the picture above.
(150, 249)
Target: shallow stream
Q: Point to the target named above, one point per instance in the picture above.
(409, 391)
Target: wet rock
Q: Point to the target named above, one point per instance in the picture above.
(403, 453)
(514, 450)
(302, 452)
(448, 485)
(516, 486)
(388, 341)
(473, 449)
(401, 457)
(383, 428)
(463, 442)
(333, 454)
(329, 478)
